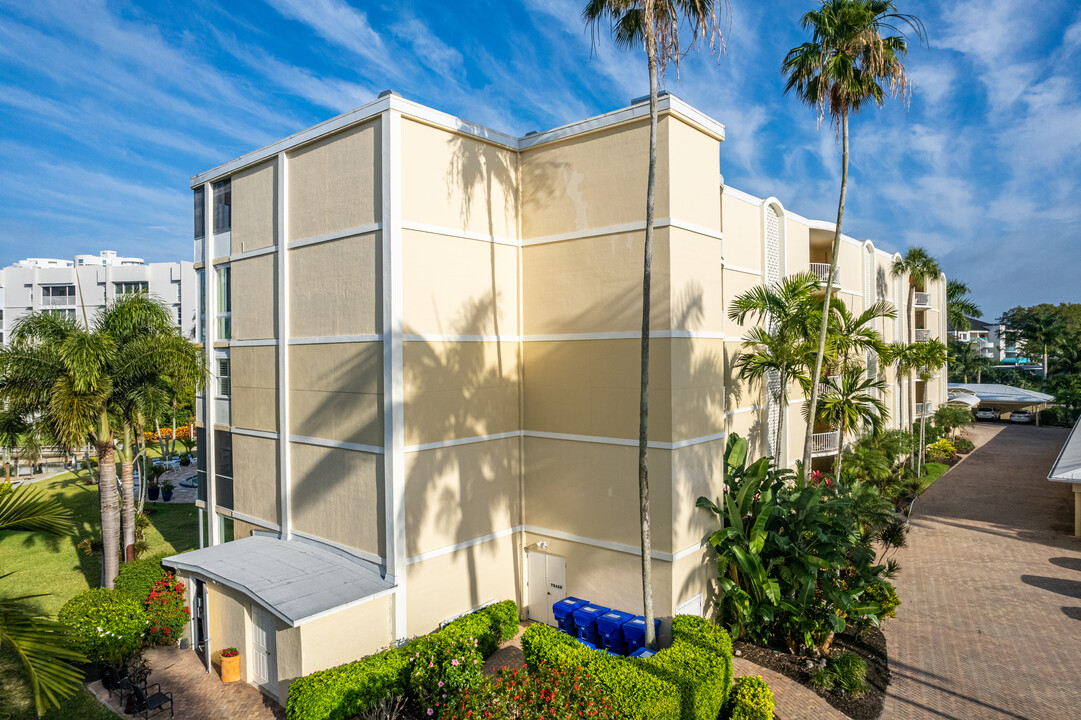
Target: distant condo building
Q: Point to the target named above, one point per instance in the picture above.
(423, 337)
(88, 282)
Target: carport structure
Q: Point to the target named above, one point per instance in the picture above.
(1005, 398)
(1067, 469)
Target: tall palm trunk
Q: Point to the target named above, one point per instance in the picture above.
(172, 441)
(809, 439)
(127, 494)
(840, 452)
(782, 402)
(643, 409)
(110, 513)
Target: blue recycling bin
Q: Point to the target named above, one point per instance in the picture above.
(585, 619)
(610, 627)
(634, 632)
(643, 653)
(562, 611)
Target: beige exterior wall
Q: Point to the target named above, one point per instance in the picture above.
(591, 490)
(456, 390)
(458, 182)
(594, 284)
(448, 585)
(254, 197)
(336, 392)
(697, 470)
(227, 619)
(592, 181)
(254, 298)
(693, 575)
(696, 301)
(337, 495)
(255, 480)
(742, 233)
(288, 643)
(458, 286)
(698, 376)
(254, 379)
(353, 633)
(735, 284)
(336, 288)
(336, 183)
(459, 493)
(692, 158)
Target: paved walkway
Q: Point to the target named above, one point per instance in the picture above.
(197, 695)
(990, 625)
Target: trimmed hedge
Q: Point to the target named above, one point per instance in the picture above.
(689, 680)
(138, 577)
(752, 699)
(354, 688)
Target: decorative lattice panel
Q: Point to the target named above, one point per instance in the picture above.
(773, 411)
(773, 246)
(868, 279)
(898, 322)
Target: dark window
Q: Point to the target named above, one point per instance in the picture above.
(223, 467)
(222, 202)
(200, 463)
(200, 213)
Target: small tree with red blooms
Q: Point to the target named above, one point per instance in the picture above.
(167, 610)
(544, 691)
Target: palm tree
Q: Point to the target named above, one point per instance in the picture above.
(654, 25)
(851, 402)
(959, 306)
(44, 646)
(964, 360)
(920, 267)
(907, 359)
(853, 335)
(847, 65)
(777, 344)
(931, 358)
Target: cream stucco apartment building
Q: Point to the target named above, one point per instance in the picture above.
(424, 336)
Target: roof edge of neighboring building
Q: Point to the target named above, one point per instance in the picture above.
(1071, 454)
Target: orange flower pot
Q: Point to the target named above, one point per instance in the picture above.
(230, 669)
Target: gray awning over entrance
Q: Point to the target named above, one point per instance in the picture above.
(296, 580)
(1068, 466)
(993, 393)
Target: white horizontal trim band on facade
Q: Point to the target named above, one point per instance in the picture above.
(623, 442)
(253, 253)
(605, 544)
(464, 545)
(253, 343)
(746, 271)
(267, 434)
(737, 411)
(338, 444)
(435, 337)
(348, 232)
(627, 335)
(265, 524)
(620, 229)
(462, 441)
(333, 339)
(460, 234)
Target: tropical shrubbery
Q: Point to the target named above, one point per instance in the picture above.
(138, 577)
(356, 687)
(440, 666)
(847, 671)
(751, 699)
(167, 610)
(794, 560)
(941, 450)
(109, 625)
(540, 691)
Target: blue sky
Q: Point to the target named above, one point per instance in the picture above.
(107, 108)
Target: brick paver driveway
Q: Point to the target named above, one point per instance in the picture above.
(991, 585)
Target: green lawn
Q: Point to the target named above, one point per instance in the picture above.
(934, 472)
(45, 564)
(16, 702)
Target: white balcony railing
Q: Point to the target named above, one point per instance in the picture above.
(826, 388)
(58, 301)
(922, 334)
(923, 299)
(825, 443)
(822, 272)
(923, 410)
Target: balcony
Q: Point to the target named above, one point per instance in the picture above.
(923, 410)
(824, 443)
(826, 388)
(922, 334)
(822, 272)
(923, 300)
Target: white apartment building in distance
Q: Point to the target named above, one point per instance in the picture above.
(88, 282)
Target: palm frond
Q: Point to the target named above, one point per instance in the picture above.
(46, 649)
(27, 508)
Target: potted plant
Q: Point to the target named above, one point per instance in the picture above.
(167, 491)
(230, 665)
(152, 487)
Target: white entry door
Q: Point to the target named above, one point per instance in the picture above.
(264, 663)
(547, 585)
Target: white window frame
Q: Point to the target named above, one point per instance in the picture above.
(224, 318)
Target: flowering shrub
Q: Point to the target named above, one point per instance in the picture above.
(229, 652)
(441, 666)
(138, 577)
(167, 611)
(533, 693)
(818, 477)
(184, 431)
(941, 450)
(109, 625)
